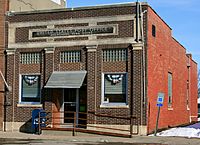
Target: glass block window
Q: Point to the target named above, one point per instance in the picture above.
(110, 55)
(30, 58)
(70, 56)
(114, 88)
(30, 88)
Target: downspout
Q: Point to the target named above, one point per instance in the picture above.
(13, 102)
(143, 101)
(140, 36)
(137, 21)
(140, 39)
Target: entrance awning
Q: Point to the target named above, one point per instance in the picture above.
(66, 79)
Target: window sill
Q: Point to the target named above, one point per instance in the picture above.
(29, 105)
(170, 109)
(113, 106)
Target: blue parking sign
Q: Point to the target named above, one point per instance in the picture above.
(160, 99)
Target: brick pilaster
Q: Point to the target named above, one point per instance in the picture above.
(138, 107)
(9, 102)
(91, 79)
(48, 69)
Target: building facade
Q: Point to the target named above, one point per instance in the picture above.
(111, 59)
(35, 5)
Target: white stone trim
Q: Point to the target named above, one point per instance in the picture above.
(11, 34)
(127, 40)
(49, 50)
(92, 48)
(10, 51)
(137, 46)
(142, 130)
(30, 105)
(13, 126)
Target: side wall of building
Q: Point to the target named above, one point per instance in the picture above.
(167, 57)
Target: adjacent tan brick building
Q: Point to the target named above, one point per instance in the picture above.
(35, 5)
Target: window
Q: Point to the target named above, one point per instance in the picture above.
(30, 89)
(70, 56)
(114, 88)
(169, 89)
(187, 99)
(153, 30)
(110, 55)
(30, 58)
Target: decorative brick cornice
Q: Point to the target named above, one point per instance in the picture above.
(91, 48)
(10, 51)
(49, 50)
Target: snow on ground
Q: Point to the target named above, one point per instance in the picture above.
(181, 131)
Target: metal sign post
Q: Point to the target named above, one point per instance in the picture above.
(160, 101)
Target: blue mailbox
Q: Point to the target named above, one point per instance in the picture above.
(35, 119)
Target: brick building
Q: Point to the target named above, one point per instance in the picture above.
(3, 8)
(35, 5)
(15, 5)
(110, 59)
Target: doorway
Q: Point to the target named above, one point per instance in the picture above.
(70, 105)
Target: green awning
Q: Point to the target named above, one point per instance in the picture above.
(66, 79)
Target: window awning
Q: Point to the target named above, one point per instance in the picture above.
(66, 79)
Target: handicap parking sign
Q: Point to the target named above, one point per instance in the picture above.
(160, 99)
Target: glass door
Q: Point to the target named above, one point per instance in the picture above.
(71, 105)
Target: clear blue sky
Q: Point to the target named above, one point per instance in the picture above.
(183, 16)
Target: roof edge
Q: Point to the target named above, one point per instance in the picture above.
(127, 4)
(159, 17)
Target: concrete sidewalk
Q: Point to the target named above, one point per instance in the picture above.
(95, 139)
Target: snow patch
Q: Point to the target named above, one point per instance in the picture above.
(181, 131)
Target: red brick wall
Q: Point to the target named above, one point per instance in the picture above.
(165, 55)
(193, 94)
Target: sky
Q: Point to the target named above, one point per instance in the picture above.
(183, 16)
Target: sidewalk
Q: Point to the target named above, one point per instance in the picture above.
(93, 139)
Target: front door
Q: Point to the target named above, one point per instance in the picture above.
(71, 105)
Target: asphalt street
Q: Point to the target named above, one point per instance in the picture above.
(47, 142)
(31, 139)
